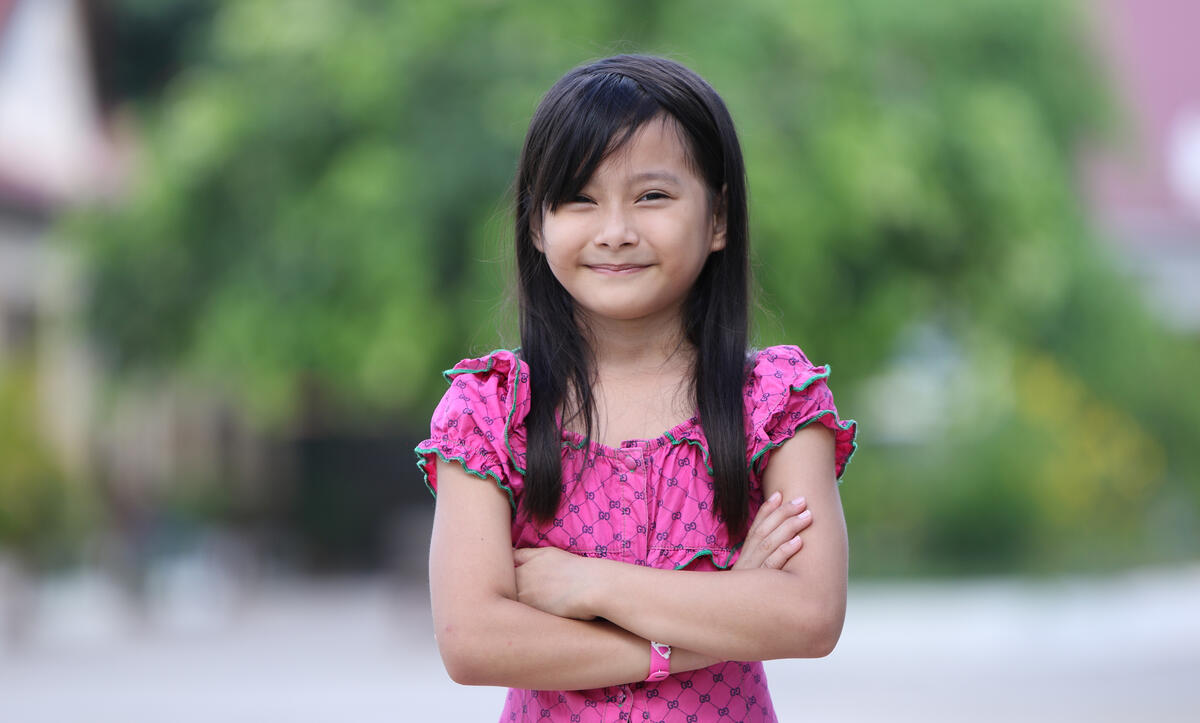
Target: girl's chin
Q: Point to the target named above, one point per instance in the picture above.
(628, 313)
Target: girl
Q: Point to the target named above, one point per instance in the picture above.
(579, 571)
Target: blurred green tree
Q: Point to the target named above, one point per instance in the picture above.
(36, 511)
(322, 204)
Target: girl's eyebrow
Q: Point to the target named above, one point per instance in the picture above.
(656, 176)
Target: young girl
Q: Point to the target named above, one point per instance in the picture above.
(576, 543)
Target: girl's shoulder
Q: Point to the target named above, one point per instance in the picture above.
(500, 365)
(497, 383)
(479, 422)
(784, 393)
(779, 357)
(775, 371)
(498, 361)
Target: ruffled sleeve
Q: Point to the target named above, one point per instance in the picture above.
(479, 422)
(785, 392)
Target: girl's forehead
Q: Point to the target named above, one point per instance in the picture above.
(655, 151)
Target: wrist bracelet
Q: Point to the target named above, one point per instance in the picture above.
(660, 662)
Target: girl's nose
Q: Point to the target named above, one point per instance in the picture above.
(618, 230)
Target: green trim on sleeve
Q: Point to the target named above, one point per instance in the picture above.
(422, 463)
(843, 425)
(452, 372)
(816, 377)
(512, 395)
(713, 555)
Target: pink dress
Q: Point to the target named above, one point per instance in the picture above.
(646, 502)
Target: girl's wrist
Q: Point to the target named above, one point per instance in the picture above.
(686, 660)
(596, 591)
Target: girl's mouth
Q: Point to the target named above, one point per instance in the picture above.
(616, 268)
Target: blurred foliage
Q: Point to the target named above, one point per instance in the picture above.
(322, 201)
(36, 509)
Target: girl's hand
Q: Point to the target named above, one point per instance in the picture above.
(775, 534)
(554, 581)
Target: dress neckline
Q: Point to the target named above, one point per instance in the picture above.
(673, 435)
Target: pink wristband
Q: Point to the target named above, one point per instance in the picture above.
(660, 662)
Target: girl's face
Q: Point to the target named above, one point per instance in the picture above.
(632, 243)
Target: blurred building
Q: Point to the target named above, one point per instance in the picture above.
(1145, 191)
(55, 150)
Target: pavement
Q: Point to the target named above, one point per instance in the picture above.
(205, 648)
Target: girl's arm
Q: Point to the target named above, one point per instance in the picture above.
(486, 636)
(758, 614)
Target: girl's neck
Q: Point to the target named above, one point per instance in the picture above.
(643, 373)
(627, 346)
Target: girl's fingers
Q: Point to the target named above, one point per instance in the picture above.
(773, 512)
(752, 556)
(775, 522)
(770, 523)
(777, 559)
(778, 547)
(767, 508)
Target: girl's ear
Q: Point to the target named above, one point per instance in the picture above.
(719, 224)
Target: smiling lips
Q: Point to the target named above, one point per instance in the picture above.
(616, 268)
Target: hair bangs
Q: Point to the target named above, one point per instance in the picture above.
(595, 116)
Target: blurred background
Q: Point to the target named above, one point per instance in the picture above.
(240, 239)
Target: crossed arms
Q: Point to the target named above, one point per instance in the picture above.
(549, 620)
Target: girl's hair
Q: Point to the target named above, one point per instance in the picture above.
(587, 115)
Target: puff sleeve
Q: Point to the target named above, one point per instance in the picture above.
(479, 422)
(785, 392)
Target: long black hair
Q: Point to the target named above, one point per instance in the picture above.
(588, 114)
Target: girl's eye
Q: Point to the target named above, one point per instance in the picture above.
(580, 199)
(653, 195)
